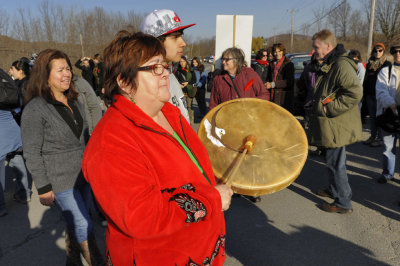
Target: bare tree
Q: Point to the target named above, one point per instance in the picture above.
(343, 14)
(21, 24)
(319, 15)
(357, 25)
(333, 20)
(4, 22)
(388, 18)
(306, 28)
(134, 20)
(48, 23)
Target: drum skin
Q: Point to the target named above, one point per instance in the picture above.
(277, 157)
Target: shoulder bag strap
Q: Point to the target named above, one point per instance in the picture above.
(234, 86)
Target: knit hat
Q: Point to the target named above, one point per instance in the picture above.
(162, 22)
(394, 46)
(380, 45)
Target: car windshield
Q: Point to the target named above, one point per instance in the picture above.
(298, 61)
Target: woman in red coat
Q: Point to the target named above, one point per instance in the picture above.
(237, 80)
(149, 171)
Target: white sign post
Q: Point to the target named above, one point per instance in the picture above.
(233, 31)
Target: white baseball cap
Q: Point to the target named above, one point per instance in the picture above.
(161, 22)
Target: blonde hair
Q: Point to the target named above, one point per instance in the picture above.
(325, 36)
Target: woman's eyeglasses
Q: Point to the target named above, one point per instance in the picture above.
(157, 69)
(226, 59)
(395, 52)
(378, 51)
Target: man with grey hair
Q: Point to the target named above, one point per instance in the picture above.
(166, 26)
(335, 120)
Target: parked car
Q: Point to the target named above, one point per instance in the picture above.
(298, 59)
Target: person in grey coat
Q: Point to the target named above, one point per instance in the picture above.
(54, 134)
(90, 102)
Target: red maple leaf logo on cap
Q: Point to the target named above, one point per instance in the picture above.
(176, 18)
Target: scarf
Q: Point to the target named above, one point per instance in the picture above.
(278, 67)
(376, 64)
(262, 62)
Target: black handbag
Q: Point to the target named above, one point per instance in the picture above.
(388, 121)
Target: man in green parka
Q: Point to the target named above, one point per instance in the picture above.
(335, 120)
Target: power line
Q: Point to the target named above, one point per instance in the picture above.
(331, 9)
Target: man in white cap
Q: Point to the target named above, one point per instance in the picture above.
(166, 26)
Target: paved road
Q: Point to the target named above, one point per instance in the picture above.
(285, 228)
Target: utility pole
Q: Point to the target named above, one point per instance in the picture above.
(291, 37)
(275, 28)
(371, 28)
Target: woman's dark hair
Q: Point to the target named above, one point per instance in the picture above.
(238, 57)
(22, 64)
(187, 63)
(200, 65)
(97, 57)
(355, 54)
(279, 46)
(38, 82)
(260, 54)
(123, 56)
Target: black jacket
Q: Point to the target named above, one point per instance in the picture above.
(370, 78)
(87, 72)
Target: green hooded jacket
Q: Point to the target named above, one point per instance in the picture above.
(339, 90)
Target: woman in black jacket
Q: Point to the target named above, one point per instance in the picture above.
(186, 77)
(20, 71)
(376, 62)
(87, 65)
(281, 78)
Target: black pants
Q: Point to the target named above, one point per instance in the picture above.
(201, 100)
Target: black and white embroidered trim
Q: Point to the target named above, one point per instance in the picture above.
(207, 261)
(195, 210)
(188, 187)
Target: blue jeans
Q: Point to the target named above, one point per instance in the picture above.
(74, 204)
(376, 132)
(389, 154)
(23, 186)
(338, 179)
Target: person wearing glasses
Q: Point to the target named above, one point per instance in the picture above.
(149, 171)
(388, 96)
(376, 62)
(237, 80)
(166, 26)
(261, 65)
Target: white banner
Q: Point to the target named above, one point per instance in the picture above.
(233, 31)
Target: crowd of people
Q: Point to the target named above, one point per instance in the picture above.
(156, 210)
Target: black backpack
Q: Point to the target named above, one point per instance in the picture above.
(9, 97)
(210, 78)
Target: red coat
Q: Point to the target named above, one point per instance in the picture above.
(248, 84)
(160, 209)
